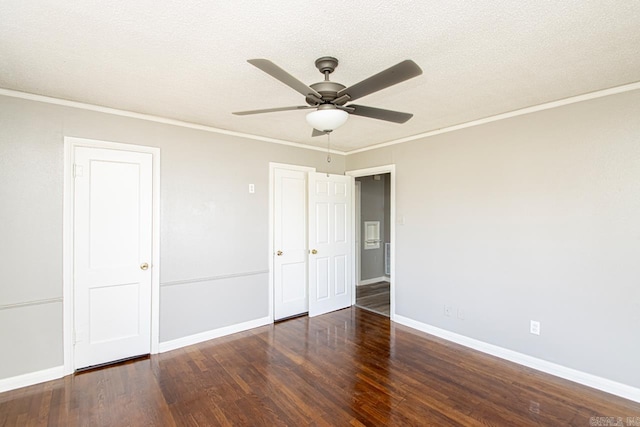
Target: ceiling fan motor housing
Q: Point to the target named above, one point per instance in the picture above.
(326, 64)
(328, 90)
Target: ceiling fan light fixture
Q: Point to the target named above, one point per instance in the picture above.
(327, 118)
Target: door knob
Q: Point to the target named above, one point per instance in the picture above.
(313, 251)
(144, 266)
(279, 253)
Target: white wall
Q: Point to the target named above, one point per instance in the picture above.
(214, 234)
(533, 217)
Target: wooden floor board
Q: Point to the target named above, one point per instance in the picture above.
(374, 297)
(350, 367)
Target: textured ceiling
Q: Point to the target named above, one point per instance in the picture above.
(186, 60)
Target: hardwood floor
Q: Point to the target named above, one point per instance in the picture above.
(350, 367)
(374, 297)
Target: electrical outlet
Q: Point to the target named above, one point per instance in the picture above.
(448, 310)
(460, 314)
(252, 188)
(535, 327)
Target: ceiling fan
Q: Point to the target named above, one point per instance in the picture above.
(329, 99)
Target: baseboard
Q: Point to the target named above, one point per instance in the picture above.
(37, 377)
(374, 280)
(31, 378)
(215, 333)
(590, 380)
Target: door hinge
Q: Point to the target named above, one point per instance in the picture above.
(77, 170)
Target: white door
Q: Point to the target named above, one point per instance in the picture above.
(112, 255)
(290, 243)
(330, 242)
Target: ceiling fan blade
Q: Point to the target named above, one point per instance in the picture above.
(317, 132)
(346, 108)
(273, 110)
(380, 114)
(398, 73)
(278, 73)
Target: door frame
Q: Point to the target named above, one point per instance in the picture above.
(70, 143)
(272, 167)
(357, 207)
(390, 169)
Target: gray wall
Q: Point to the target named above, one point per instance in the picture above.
(374, 206)
(210, 225)
(533, 217)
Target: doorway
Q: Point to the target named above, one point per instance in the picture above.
(373, 221)
(374, 216)
(310, 242)
(111, 252)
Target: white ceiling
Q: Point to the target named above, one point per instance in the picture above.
(186, 60)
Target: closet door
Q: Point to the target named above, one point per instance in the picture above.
(291, 295)
(112, 255)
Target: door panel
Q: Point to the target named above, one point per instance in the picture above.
(322, 278)
(322, 223)
(330, 236)
(101, 302)
(290, 243)
(114, 214)
(340, 268)
(340, 216)
(293, 290)
(112, 239)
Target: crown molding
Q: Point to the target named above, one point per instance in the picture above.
(527, 110)
(515, 113)
(157, 119)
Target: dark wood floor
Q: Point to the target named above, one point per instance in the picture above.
(374, 297)
(351, 367)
